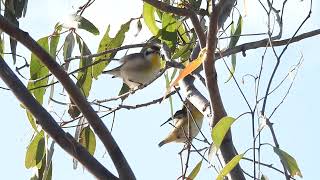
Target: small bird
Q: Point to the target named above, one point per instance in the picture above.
(184, 124)
(138, 68)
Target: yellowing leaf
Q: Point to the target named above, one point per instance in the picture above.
(149, 19)
(195, 171)
(190, 67)
(220, 130)
(228, 167)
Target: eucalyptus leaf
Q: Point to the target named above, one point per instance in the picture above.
(220, 130)
(288, 161)
(149, 18)
(35, 151)
(85, 74)
(88, 139)
(38, 71)
(195, 171)
(108, 43)
(229, 166)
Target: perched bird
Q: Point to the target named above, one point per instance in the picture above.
(184, 124)
(138, 68)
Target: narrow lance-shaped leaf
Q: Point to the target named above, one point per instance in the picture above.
(35, 151)
(88, 26)
(288, 161)
(68, 46)
(220, 130)
(10, 14)
(149, 18)
(85, 74)
(235, 35)
(39, 71)
(32, 121)
(195, 171)
(88, 139)
(108, 43)
(54, 40)
(189, 68)
(228, 167)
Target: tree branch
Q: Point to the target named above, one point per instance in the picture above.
(49, 125)
(75, 94)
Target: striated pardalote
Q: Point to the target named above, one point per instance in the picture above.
(184, 124)
(138, 68)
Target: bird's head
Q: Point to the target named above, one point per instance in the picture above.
(151, 51)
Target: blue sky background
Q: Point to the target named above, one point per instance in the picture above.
(137, 131)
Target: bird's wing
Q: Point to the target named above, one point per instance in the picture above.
(135, 62)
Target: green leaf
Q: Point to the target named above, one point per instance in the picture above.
(10, 15)
(288, 161)
(32, 121)
(182, 33)
(35, 151)
(85, 74)
(88, 139)
(220, 130)
(108, 43)
(85, 24)
(68, 46)
(41, 171)
(124, 89)
(236, 34)
(54, 40)
(195, 171)
(169, 29)
(166, 76)
(184, 49)
(228, 167)
(149, 19)
(37, 71)
(233, 66)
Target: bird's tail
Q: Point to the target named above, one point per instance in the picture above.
(115, 72)
(172, 137)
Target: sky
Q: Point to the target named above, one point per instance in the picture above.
(138, 132)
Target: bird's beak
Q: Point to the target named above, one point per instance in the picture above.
(170, 119)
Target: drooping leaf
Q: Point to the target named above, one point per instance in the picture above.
(68, 46)
(139, 27)
(190, 68)
(35, 151)
(20, 8)
(124, 89)
(166, 76)
(235, 35)
(288, 161)
(195, 171)
(229, 166)
(32, 121)
(88, 139)
(85, 74)
(108, 43)
(220, 130)
(87, 25)
(41, 172)
(12, 15)
(54, 40)
(39, 71)
(149, 18)
(233, 66)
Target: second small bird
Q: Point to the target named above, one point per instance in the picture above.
(138, 68)
(184, 124)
